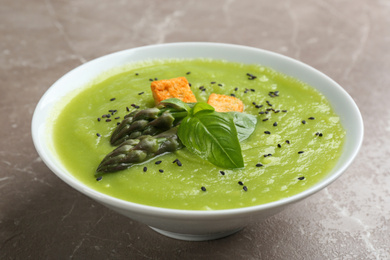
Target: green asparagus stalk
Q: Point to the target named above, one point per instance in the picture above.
(150, 121)
(139, 150)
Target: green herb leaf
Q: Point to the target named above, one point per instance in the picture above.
(200, 106)
(177, 104)
(245, 124)
(212, 136)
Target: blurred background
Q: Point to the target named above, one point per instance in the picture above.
(40, 40)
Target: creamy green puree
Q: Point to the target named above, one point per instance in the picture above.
(304, 142)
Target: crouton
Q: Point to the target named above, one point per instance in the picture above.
(224, 103)
(172, 88)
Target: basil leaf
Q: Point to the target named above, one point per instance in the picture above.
(212, 136)
(177, 103)
(245, 124)
(200, 106)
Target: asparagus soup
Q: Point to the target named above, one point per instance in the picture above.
(296, 139)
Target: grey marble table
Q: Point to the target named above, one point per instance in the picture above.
(40, 40)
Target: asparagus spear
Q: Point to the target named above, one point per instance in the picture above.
(150, 121)
(138, 150)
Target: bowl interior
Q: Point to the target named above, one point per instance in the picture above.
(342, 103)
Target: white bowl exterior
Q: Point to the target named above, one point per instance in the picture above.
(187, 221)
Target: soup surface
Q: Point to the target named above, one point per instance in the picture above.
(297, 141)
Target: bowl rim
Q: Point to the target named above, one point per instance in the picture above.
(183, 213)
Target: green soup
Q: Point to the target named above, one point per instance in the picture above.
(297, 141)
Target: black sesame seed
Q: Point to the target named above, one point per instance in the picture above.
(300, 152)
(253, 90)
(108, 120)
(273, 94)
(112, 99)
(161, 170)
(311, 118)
(279, 145)
(261, 112)
(158, 162)
(240, 183)
(259, 106)
(265, 119)
(259, 165)
(188, 73)
(301, 178)
(277, 111)
(267, 132)
(222, 172)
(213, 82)
(220, 84)
(303, 122)
(98, 135)
(145, 169)
(117, 117)
(254, 103)
(275, 124)
(245, 188)
(251, 76)
(99, 178)
(203, 188)
(141, 93)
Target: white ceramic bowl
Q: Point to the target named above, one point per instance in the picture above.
(188, 224)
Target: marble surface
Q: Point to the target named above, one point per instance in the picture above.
(40, 40)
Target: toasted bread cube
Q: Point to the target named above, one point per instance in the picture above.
(224, 103)
(172, 88)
